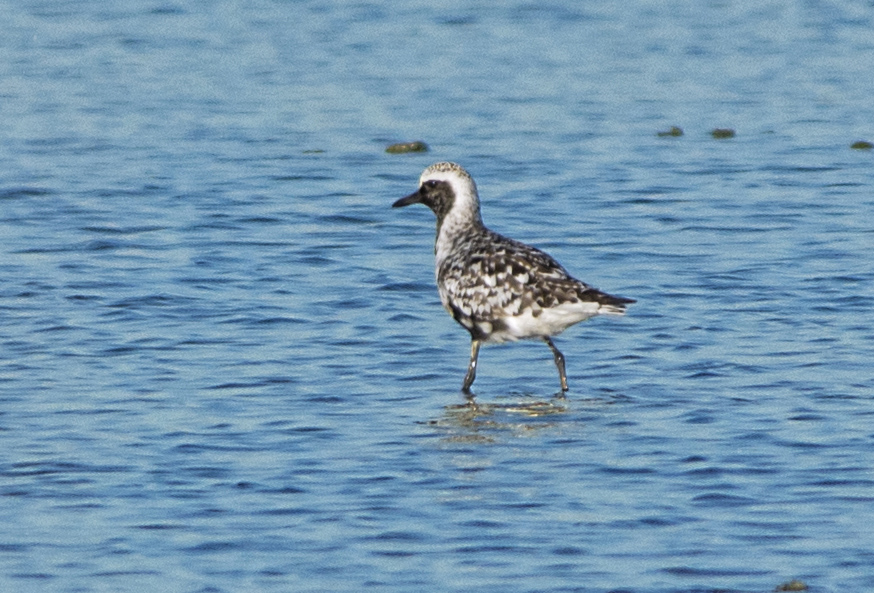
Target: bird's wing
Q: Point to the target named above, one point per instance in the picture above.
(494, 276)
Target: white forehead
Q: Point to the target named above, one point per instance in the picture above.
(452, 173)
(444, 172)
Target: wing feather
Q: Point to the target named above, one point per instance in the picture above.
(489, 276)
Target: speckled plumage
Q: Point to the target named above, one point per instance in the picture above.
(503, 290)
(499, 289)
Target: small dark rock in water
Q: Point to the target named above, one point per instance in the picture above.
(793, 585)
(722, 133)
(404, 147)
(862, 145)
(674, 131)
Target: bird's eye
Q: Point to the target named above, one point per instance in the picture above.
(430, 183)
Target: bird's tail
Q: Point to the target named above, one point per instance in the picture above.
(609, 304)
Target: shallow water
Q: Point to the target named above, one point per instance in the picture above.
(224, 365)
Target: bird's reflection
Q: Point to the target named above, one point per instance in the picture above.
(514, 414)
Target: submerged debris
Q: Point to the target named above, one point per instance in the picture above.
(793, 585)
(722, 133)
(673, 131)
(403, 147)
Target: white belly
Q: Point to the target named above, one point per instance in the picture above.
(550, 322)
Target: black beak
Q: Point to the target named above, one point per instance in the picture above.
(415, 198)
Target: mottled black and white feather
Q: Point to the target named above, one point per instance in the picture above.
(503, 290)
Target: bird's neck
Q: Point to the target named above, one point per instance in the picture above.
(454, 228)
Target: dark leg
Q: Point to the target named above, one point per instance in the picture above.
(471, 369)
(559, 362)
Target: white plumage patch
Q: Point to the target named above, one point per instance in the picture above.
(550, 322)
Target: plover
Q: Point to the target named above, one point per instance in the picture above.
(499, 289)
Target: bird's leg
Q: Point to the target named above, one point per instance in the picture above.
(471, 368)
(559, 362)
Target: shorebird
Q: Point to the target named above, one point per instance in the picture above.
(499, 289)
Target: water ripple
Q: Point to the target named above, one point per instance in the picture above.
(224, 365)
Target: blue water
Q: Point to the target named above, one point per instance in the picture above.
(223, 362)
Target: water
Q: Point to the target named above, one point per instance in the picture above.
(223, 363)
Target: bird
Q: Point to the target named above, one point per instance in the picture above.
(497, 288)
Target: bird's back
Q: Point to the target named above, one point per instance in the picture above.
(501, 289)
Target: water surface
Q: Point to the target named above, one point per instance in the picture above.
(224, 365)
